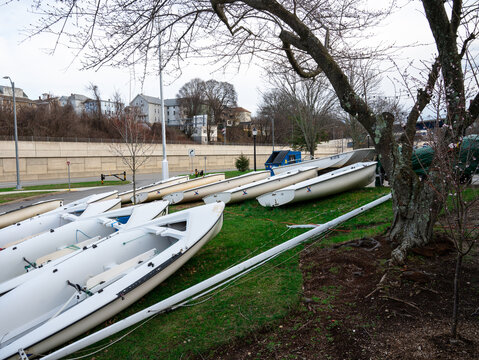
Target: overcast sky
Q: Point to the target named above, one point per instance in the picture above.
(35, 71)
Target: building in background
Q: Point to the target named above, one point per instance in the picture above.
(76, 101)
(21, 99)
(149, 108)
(107, 107)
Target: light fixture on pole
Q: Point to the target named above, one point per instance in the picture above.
(368, 140)
(15, 130)
(255, 132)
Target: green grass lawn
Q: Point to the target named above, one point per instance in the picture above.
(258, 300)
(11, 197)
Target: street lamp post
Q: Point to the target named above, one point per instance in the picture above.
(164, 164)
(255, 132)
(368, 140)
(15, 130)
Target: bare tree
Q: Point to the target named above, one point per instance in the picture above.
(315, 37)
(219, 96)
(192, 99)
(273, 112)
(310, 102)
(137, 145)
(96, 97)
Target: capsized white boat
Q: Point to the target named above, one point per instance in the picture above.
(127, 195)
(160, 193)
(24, 260)
(196, 194)
(13, 216)
(250, 191)
(347, 178)
(22, 230)
(92, 286)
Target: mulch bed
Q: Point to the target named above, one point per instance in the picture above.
(343, 315)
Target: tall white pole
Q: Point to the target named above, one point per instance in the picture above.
(164, 164)
(173, 301)
(15, 131)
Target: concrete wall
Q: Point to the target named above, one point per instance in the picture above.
(48, 160)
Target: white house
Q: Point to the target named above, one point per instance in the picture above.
(200, 135)
(150, 109)
(108, 107)
(77, 102)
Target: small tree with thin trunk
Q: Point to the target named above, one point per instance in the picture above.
(136, 146)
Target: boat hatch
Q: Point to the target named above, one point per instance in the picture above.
(123, 219)
(180, 226)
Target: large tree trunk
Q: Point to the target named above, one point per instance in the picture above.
(415, 208)
(415, 202)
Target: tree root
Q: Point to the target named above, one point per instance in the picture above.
(401, 301)
(380, 284)
(369, 244)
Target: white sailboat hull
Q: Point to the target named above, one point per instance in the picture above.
(160, 193)
(334, 161)
(127, 195)
(196, 194)
(15, 233)
(250, 191)
(334, 182)
(66, 239)
(163, 245)
(14, 216)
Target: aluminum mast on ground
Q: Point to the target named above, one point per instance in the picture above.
(213, 282)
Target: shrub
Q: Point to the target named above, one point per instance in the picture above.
(242, 163)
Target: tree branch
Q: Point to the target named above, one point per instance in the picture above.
(289, 39)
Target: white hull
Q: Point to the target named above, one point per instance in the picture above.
(250, 191)
(33, 226)
(63, 241)
(160, 193)
(127, 195)
(196, 194)
(163, 245)
(14, 216)
(322, 163)
(337, 181)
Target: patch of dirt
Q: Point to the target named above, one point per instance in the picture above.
(343, 315)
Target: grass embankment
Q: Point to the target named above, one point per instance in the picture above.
(24, 192)
(256, 301)
(12, 197)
